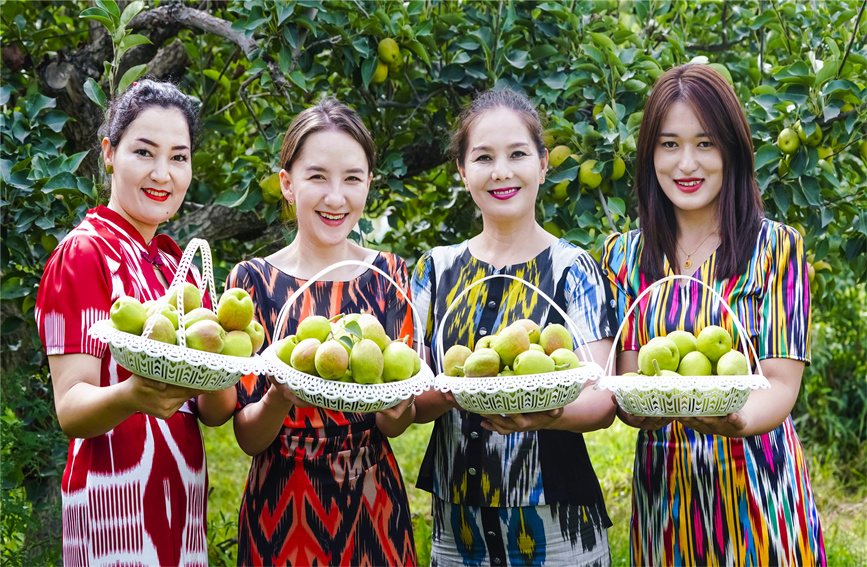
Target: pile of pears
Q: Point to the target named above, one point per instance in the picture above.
(681, 353)
(231, 330)
(348, 348)
(522, 348)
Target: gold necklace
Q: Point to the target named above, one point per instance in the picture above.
(687, 264)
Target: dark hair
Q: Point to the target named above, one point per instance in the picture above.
(138, 97)
(329, 114)
(740, 203)
(491, 100)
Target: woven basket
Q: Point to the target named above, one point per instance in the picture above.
(520, 393)
(344, 396)
(683, 396)
(177, 364)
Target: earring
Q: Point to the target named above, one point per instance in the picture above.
(109, 169)
(290, 200)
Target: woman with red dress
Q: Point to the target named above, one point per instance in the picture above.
(135, 485)
(324, 487)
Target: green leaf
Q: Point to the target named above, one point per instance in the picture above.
(416, 47)
(298, 78)
(827, 72)
(617, 206)
(284, 10)
(55, 119)
(368, 68)
(132, 40)
(36, 102)
(131, 75)
(766, 154)
(100, 16)
(354, 329)
(603, 41)
(94, 92)
(72, 163)
(63, 180)
(110, 6)
(131, 11)
(12, 289)
(230, 198)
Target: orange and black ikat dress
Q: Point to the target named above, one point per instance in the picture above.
(328, 490)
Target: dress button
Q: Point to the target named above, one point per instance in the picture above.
(483, 331)
(604, 271)
(472, 471)
(492, 534)
(474, 435)
(497, 560)
(612, 303)
(492, 304)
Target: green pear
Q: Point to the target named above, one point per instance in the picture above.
(331, 360)
(372, 329)
(532, 327)
(455, 357)
(510, 342)
(235, 309)
(684, 341)
(257, 335)
(303, 357)
(313, 327)
(206, 335)
(661, 349)
(347, 339)
(398, 362)
(555, 336)
(416, 363)
(533, 362)
(190, 293)
(733, 363)
(148, 304)
(128, 314)
(537, 347)
(162, 330)
(713, 342)
(283, 349)
(658, 372)
(507, 372)
(168, 310)
(199, 314)
(485, 342)
(481, 363)
(238, 343)
(694, 364)
(366, 362)
(565, 359)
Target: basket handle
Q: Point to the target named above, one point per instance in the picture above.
(176, 287)
(575, 332)
(284, 311)
(742, 332)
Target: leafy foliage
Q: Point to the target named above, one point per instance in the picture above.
(589, 65)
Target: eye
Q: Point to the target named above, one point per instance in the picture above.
(353, 179)
(668, 144)
(180, 157)
(317, 176)
(141, 152)
(705, 144)
(483, 157)
(518, 154)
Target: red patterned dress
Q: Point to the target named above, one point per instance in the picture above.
(137, 494)
(328, 490)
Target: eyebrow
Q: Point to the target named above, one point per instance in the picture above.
(487, 148)
(670, 135)
(154, 144)
(321, 168)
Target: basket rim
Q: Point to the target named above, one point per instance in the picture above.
(515, 383)
(618, 383)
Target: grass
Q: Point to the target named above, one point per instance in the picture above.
(842, 508)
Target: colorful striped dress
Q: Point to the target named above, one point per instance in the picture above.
(712, 500)
(526, 498)
(328, 490)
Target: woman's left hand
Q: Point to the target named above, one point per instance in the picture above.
(730, 425)
(532, 421)
(394, 421)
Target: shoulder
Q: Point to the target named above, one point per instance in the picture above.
(390, 263)
(774, 236)
(442, 258)
(621, 248)
(247, 272)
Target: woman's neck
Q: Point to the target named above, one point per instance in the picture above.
(303, 260)
(692, 226)
(505, 244)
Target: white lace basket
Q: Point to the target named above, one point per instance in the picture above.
(520, 393)
(177, 364)
(683, 396)
(344, 396)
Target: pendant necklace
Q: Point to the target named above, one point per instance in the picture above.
(687, 264)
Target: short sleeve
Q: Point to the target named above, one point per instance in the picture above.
(422, 292)
(75, 292)
(587, 299)
(615, 268)
(786, 317)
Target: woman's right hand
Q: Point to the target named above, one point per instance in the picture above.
(646, 423)
(280, 391)
(157, 399)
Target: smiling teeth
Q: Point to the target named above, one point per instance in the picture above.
(689, 183)
(332, 217)
(501, 191)
(155, 193)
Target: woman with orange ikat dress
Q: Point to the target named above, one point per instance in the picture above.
(324, 487)
(731, 490)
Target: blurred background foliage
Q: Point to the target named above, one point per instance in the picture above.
(799, 68)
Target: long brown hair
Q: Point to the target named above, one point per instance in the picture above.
(740, 209)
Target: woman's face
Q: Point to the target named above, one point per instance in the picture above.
(502, 167)
(688, 166)
(328, 182)
(152, 168)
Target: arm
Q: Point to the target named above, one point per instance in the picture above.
(85, 409)
(257, 424)
(394, 421)
(431, 404)
(765, 410)
(215, 408)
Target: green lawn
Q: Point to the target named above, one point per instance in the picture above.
(843, 509)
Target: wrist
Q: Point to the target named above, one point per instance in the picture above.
(275, 402)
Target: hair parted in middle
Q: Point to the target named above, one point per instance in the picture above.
(740, 213)
(492, 100)
(328, 115)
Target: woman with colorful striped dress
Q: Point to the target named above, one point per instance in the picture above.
(731, 490)
(520, 489)
(324, 487)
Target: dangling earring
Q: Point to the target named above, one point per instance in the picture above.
(290, 200)
(109, 169)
